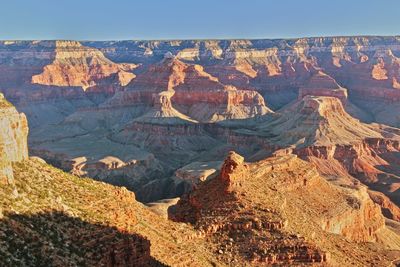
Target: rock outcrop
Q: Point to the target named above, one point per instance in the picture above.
(232, 166)
(317, 120)
(197, 93)
(162, 111)
(389, 209)
(319, 130)
(321, 84)
(77, 65)
(252, 212)
(13, 139)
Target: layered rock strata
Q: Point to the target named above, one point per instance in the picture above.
(77, 65)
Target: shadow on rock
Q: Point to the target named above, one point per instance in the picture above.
(56, 239)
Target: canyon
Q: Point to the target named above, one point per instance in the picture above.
(260, 151)
(248, 214)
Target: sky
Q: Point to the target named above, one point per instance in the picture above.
(189, 19)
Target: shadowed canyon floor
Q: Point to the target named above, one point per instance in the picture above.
(315, 119)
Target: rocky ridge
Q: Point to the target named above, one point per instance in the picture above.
(262, 224)
(198, 94)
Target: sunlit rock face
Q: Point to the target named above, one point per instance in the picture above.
(247, 200)
(195, 92)
(77, 65)
(13, 138)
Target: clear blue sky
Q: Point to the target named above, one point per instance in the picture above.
(186, 19)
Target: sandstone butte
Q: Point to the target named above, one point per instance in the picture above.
(312, 117)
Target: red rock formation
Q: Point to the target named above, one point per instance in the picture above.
(231, 167)
(242, 204)
(198, 94)
(316, 121)
(371, 161)
(339, 145)
(389, 209)
(362, 223)
(322, 84)
(162, 111)
(319, 130)
(77, 65)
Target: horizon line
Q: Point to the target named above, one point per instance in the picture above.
(203, 39)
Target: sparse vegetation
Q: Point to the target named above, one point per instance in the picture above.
(62, 220)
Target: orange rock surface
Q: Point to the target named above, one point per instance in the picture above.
(253, 212)
(77, 65)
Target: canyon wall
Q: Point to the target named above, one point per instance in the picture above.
(160, 116)
(368, 67)
(183, 97)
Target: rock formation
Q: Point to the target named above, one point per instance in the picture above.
(13, 139)
(252, 212)
(77, 65)
(197, 93)
(318, 121)
(389, 209)
(319, 130)
(321, 84)
(162, 111)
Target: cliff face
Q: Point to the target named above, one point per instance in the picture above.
(77, 65)
(360, 63)
(275, 69)
(372, 161)
(324, 133)
(197, 93)
(317, 120)
(321, 84)
(13, 138)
